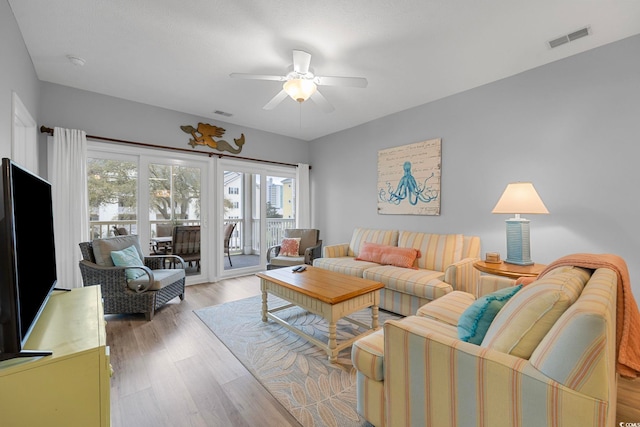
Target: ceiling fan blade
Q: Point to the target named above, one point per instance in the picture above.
(322, 102)
(341, 81)
(257, 77)
(301, 61)
(280, 96)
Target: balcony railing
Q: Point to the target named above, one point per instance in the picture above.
(274, 234)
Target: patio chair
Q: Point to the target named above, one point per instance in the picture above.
(227, 232)
(309, 248)
(119, 231)
(186, 243)
(161, 244)
(122, 291)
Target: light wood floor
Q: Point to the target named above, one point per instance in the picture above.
(173, 371)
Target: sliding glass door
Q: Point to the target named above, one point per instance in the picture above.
(137, 192)
(174, 197)
(260, 202)
(174, 209)
(143, 193)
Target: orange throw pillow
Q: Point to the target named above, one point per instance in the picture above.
(290, 246)
(399, 257)
(371, 252)
(388, 255)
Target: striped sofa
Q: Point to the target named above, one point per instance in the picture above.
(547, 359)
(445, 264)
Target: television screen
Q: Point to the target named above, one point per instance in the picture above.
(28, 260)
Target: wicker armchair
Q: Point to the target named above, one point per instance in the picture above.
(310, 248)
(120, 295)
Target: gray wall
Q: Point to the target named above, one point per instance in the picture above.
(110, 117)
(571, 127)
(16, 75)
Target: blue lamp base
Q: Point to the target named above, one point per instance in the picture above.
(518, 248)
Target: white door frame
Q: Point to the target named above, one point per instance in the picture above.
(222, 164)
(24, 141)
(144, 157)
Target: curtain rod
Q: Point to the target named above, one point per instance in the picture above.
(45, 129)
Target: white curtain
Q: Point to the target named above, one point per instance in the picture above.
(303, 201)
(68, 177)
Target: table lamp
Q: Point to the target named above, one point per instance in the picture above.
(519, 198)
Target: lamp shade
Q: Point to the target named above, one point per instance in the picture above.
(520, 198)
(299, 89)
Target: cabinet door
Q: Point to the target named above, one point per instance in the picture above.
(63, 393)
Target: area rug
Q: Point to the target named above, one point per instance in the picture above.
(297, 373)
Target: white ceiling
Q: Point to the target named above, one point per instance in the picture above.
(178, 54)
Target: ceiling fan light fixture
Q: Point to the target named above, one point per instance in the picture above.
(299, 89)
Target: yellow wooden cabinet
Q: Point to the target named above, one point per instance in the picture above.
(70, 387)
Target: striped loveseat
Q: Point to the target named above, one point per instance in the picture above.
(547, 359)
(444, 264)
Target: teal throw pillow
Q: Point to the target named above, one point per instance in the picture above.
(476, 319)
(128, 257)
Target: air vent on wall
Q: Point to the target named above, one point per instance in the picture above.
(582, 32)
(222, 113)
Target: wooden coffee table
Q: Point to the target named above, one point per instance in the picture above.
(333, 296)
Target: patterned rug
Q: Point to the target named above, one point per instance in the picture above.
(296, 373)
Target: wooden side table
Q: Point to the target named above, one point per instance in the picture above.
(512, 271)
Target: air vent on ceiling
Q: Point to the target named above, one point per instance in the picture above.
(578, 34)
(223, 113)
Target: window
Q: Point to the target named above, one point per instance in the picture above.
(174, 194)
(113, 198)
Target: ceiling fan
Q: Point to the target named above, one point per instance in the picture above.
(301, 83)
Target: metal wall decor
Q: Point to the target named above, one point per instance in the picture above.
(409, 179)
(205, 133)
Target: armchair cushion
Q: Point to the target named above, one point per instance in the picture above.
(161, 279)
(308, 237)
(529, 315)
(102, 248)
(290, 246)
(476, 319)
(448, 308)
(286, 261)
(128, 257)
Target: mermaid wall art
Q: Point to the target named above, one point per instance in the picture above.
(409, 179)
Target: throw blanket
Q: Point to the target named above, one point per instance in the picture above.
(627, 315)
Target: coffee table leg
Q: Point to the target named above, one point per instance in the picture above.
(374, 317)
(264, 305)
(333, 354)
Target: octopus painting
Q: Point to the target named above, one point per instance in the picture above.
(409, 189)
(409, 178)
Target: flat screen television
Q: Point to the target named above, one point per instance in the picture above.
(27, 256)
